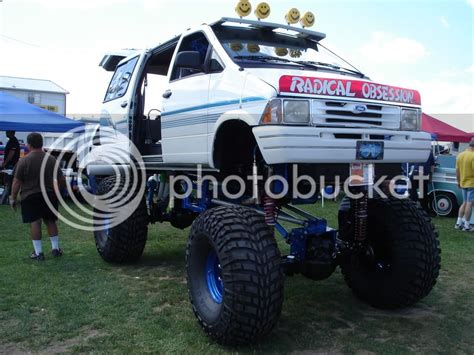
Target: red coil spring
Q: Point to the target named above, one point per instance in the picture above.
(361, 216)
(270, 210)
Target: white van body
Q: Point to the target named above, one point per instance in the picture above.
(342, 107)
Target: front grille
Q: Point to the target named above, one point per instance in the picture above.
(351, 123)
(352, 114)
(336, 113)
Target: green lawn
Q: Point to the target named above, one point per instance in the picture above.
(79, 303)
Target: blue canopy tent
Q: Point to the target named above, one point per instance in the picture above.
(20, 116)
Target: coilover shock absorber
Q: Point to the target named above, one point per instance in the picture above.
(270, 210)
(360, 209)
(269, 204)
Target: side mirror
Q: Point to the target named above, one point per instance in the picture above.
(189, 60)
(215, 66)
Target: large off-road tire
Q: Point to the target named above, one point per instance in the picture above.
(126, 241)
(402, 263)
(235, 276)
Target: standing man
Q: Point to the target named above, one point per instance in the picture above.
(34, 207)
(12, 151)
(465, 177)
(10, 158)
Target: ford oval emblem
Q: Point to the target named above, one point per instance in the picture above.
(359, 109)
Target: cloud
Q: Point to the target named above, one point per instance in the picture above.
(449, 96)
(440, 96)
(445, 22)
(386, 48)
(447, 93)
(470, 2)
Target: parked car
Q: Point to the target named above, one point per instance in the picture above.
(445, 195)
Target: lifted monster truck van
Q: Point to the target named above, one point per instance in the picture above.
(252, 98)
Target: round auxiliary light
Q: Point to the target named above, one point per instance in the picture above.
(262, 11)
(307, 20)
(243, 8)
(281, 51)
(295, 53)
(236, 46)
(253, 48)
(292, 16)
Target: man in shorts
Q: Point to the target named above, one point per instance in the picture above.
(35, 194)
(465, 176)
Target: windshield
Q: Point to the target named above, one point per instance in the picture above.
(250, 48)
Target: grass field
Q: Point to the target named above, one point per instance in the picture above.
(79, 303)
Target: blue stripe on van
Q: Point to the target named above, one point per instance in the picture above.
(214, 104)
(189, 121)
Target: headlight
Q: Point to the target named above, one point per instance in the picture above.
(296, 111)
(280, 111)
(410, 120)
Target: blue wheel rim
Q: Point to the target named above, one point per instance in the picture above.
(214, 277)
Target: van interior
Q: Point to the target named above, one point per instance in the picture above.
(146, 129)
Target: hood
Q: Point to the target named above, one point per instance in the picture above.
(272, 75)
(291, 82)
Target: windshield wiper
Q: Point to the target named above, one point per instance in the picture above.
(263, 58)
(267, 58)
(332, 66)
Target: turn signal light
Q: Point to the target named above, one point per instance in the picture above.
(273, 113)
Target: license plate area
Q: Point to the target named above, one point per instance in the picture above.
(369, 150)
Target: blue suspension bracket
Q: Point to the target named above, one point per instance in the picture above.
(202, 203)
(298, 237)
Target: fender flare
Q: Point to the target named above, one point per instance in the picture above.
(230, 116)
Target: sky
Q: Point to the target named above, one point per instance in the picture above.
(420, 44)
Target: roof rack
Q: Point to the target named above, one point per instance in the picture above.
(300, 32)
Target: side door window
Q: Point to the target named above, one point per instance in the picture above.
(196, 42)
(119, 84)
